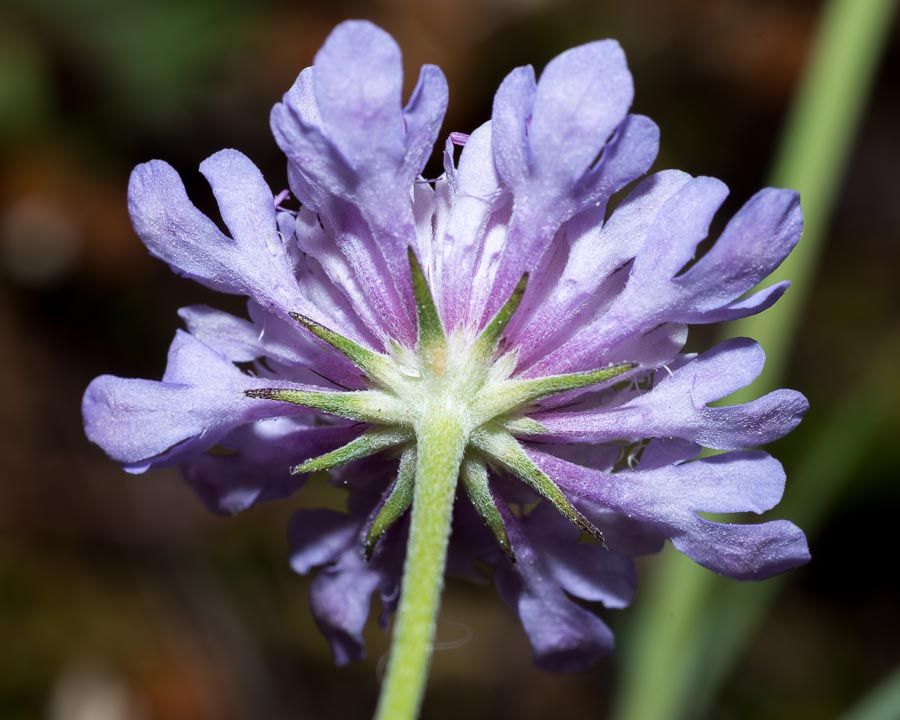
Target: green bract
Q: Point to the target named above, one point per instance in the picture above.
(463, 381)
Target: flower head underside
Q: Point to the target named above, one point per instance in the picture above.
(498, 330)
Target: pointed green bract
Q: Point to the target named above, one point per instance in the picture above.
(504, 449)
(519, 426)
(474, 477)
(375, 365)
(366, 405)
(487, 341)
(431, 330)
(502, 397)
(369, 443)
(398, 501)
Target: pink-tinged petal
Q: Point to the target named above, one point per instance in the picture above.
(473, 202)
(486, 283)
(670, 498)
(678, 407)
(254, 263)
(431, 208)
(200, 399)
(351, 294)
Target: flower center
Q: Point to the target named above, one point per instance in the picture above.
(454, 375)
(448, 380)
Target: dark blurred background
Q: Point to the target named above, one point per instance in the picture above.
(121, 598)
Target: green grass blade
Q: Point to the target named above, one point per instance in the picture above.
(672, 649)
(882, 703)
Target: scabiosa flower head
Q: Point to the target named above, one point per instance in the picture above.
(495, 342)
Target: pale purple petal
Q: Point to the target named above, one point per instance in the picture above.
(318, 537)
(254, 263)
(513, 105)
(340, 597)
(358, 81)
(237, 339)
(754, 243)
(297, 126)
(341, 593)
(547, 140)
(660, 290)
(671, 498)
(257, 464)
(582, 96)
(358, 154)
(751, 305)
(564, 636)
(584, 570)
(423, 116)
(597, 251)
(200, 399)
(745, 552)
(628, 155)
(679, 406)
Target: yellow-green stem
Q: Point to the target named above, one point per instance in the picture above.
(441, 440)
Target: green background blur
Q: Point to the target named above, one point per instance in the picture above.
(120, 597)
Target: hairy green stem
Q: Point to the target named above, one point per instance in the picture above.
(441, 440)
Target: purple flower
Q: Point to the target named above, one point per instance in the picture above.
(503, 296)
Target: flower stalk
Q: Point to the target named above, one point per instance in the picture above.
(441, 439)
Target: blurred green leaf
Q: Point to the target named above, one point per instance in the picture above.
(24, 86)
(882, 703)
(152, 55)
(691, 625)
